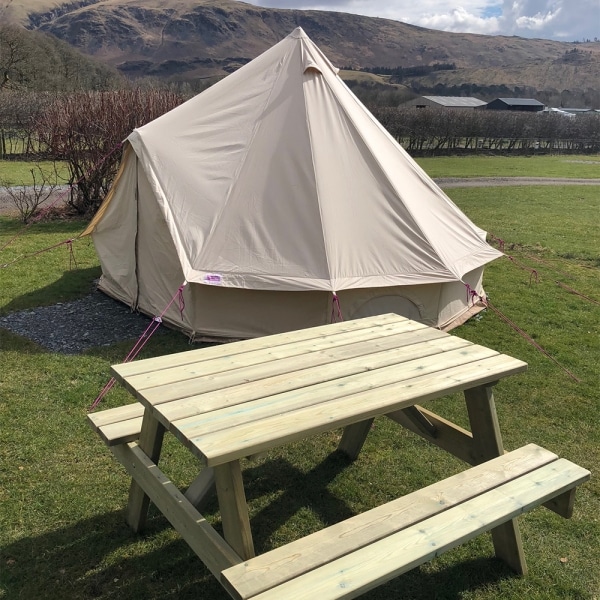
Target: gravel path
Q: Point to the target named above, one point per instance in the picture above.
(61, 195)
(97, 320)
(454, 182)
(72, 327)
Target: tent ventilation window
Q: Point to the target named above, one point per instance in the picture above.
(312, 71)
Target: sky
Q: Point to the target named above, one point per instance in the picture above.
(563, 20)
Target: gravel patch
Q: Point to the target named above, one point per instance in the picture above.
(72, 327)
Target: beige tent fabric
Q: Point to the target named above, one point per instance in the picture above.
(272, 190)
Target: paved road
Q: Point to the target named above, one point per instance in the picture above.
(7, 207)
(453, 182)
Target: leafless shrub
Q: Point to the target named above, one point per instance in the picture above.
(86, 129)
(28, 198)
(433, 130)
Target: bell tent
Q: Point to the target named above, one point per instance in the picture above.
(280, 199)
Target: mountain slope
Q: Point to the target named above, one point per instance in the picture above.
(201, 38)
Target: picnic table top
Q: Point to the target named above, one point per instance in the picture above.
(233, 400)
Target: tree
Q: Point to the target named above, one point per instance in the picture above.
(13, 56)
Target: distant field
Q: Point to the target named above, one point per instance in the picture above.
(563, 165)
(16, 173)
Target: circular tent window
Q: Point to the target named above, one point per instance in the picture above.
(388, 304)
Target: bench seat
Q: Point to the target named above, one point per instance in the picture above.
(118, 425)
(351, 557)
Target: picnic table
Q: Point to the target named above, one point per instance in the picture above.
(237, 400)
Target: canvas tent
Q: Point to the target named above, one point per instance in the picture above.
(270, 193)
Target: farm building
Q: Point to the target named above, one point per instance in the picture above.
(445, 102)
(523, 104)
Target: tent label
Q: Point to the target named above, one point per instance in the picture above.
(213, 279)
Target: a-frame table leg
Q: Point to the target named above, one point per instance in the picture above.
(150, 442)
(354, 437)
(233, 508)
(487, 444)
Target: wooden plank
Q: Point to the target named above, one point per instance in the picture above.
(372, 565)
(192, 526)
(236, 442)
(278, 376)
(268, 361)
(115, 415)
(312, 387)
(150, 442)
(371, 372)
(419, 420)
(289, 561)
(446, 435)
(562, 505)
(233, 508)
(487, 443)
(201, 488)
(378, 323)
(354, 437)
(121, 432)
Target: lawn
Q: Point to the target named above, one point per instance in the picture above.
(18, 173)
(555, 165)
(63, 495)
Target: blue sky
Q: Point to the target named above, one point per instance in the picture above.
(563, 20)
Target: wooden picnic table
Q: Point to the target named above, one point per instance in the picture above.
(236, 400)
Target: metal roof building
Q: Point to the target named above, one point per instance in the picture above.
(524, 104)
(445, 102)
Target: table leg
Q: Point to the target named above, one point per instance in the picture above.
(487, 444)
(354, 437)
(150, 442)
(201, 488)
(233, 508)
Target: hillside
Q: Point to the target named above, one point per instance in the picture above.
(35, 61)
(571, 80)
(190, 39)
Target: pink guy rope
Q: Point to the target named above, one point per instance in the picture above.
(68, 243)
(143, 340)
(336, 310)
(472, 294)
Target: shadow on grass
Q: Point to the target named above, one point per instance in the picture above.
(73, 284)
(101, 558)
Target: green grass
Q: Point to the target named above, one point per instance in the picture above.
(569, 166)
(17, 173)
(33, 279)
(62, 494)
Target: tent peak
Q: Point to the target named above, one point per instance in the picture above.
(298, 33)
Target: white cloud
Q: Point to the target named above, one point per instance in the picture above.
(461, 20)
(563, 20)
